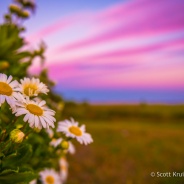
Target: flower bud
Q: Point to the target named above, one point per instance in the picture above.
(7, 17)
(37, 130)
(4, 65)
(17, 136)
(60, 106)
(64, 144)
(14, 8)
(24, 14)
(18, 126)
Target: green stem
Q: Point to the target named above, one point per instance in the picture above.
(15, 120)
(69, 138)
(24, 126)
(4, 146)
(28, 133)
(3, 135)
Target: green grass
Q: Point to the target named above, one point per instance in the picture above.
(127, 151)
(119, 112)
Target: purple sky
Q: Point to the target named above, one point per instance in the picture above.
(112, 51)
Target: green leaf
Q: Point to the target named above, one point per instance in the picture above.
(2, 155)
(25, 168)
(23, 155)
(17, 178)
(9, 171)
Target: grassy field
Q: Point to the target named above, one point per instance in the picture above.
(130, 142)
(127, 151)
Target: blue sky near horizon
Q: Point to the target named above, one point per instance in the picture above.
(123, 96)
(111, 51)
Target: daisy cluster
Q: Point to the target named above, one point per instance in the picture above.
(36, 113)
(22, 97)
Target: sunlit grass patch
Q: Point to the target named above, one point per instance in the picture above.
(128, 151)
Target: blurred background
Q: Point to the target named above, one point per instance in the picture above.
(119, 65)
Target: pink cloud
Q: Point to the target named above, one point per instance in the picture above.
(118, 60)
(135, 51)
(157, 63)
(149, 18)
(62, 24)
(119, 20)
(165, 77)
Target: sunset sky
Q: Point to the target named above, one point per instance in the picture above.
(111, 51)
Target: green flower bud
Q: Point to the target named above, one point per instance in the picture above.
(4, 65)
(14, 8)
(17, 136)
(60, 106)
(7, 17)
(64, 144)
(24, 14)
(18, 126)
(37, 130)
(22, 29)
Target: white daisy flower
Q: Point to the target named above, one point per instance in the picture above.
(63, 165)
(55, 142)
(33, 182)
(71, 148)
(7, 90)
(50, 132)
(36, 113)
(50, 176)
(32, 87)
(71, 129)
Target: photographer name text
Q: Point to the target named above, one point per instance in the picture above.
(167, 174)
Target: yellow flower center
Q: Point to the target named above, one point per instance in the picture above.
(49, 179)
(5, 89)
(53, 140)
(75, 130)
(30, 89)
(34, 109)
(63, 168)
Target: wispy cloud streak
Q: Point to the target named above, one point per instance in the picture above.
(134, 44)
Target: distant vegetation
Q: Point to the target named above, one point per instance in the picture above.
(86, 111)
